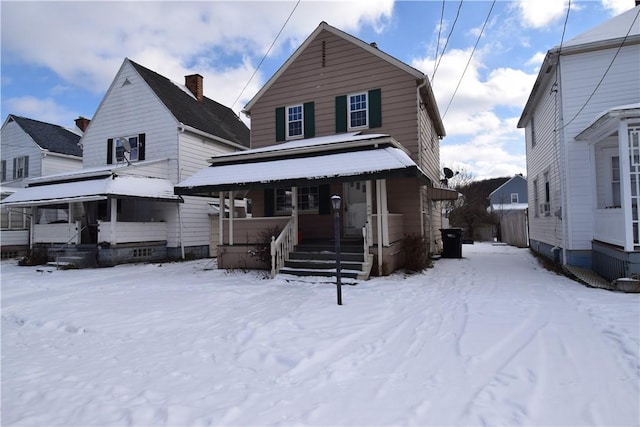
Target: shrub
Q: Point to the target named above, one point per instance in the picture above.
(416, 253)
(263, 247)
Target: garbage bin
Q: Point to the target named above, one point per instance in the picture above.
(451, 242)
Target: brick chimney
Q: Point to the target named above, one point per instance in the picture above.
(194, 84)
(82, 123)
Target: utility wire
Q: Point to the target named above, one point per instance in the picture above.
(439, 32)
(267, 53)
(446, 42)
(470, 57)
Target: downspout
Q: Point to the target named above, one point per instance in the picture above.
(180, 131)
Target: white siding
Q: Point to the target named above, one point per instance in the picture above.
(53, 164)
(580, 76)
(17, 143)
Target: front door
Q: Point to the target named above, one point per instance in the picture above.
(355, 208)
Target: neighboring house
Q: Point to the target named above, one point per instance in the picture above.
(582, 127)
(147, 135)
(31, 148)
(339, 117)
(509, 203)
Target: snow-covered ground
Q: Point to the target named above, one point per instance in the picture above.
(491, 339)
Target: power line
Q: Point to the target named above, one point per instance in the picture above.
(446, 42)
(435, 59)
(470, 57)
(267, 53)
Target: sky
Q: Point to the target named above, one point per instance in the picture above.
(492, 339)
(59, 58)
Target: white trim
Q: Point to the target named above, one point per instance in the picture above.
(286, 122)
(351, 128)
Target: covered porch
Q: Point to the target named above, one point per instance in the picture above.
(614, 141)
(111, 219)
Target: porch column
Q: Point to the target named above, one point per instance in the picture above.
(379, 223)
(113, 221)
(221, 218)
(231, 208)
(385, 212)
(294, 213)
(625, 184)
(369, 196)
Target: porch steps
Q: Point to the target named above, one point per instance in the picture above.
(319, 259)
(75, 256)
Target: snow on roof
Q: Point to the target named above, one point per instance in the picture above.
(509, 206)
(313, 167)
(615, 28)
(93, 172)
(93, 189)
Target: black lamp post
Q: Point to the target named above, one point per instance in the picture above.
(335, 202)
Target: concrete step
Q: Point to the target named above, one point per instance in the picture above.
(329, 272)
(326, 256)
(319, 264)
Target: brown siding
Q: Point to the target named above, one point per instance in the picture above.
(402, 198)
(348, 69)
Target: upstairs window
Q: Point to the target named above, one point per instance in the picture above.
(514, 197)
(20, 167)
(295, 123)
(358, 111)
(125, 149)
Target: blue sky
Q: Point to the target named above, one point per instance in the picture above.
(58, 58)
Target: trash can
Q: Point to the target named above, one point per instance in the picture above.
(451, 242)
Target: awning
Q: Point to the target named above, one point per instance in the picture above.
(367, 163)
(435, 193)
(116, 186)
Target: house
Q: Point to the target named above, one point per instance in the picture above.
(340, 117)
(582, 127)
(509, 203)
(148, 134)
(31, 148)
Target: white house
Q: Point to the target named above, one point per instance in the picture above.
(148, 134)
(31, 148)
(582, 126)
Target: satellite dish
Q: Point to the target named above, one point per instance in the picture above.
(448, 173)
(125, 144)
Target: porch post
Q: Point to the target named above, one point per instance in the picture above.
(113, 220)
(369, 196)
(221, 218)
(294, 213)
(625, 184)
(379, 223)
(231, 208)
(385, 212)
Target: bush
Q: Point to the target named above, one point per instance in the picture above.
(416, 253)
(263, 247)
(36, 256)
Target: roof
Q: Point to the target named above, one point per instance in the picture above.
(426, 90)
(322, 160)
(507, 182)
(47, 136)
(93, 189)
(209, 116)
(509, 207)
(619, 30)
(606, 123)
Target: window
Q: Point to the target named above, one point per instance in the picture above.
(615, 181)
(358, 109)
(514, 197)
(546, 207)
(20, 167)
(307, 199)
(536, 199)
(126, 149)
(295, 122)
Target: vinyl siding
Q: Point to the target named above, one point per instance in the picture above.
(17, 143)
(52, 164)
(307, 80)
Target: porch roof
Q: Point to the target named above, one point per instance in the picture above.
(93, 189)
(606, 123)
(358, 158)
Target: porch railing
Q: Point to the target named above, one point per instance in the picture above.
(366, 240)
(281, 247)
(130, 232)
(609, 226)
(66, 233)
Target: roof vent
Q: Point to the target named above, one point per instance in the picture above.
(373, 44)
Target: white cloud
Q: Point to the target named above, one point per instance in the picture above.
(616, 7)
(46, 109)
(537, 59)
(540, 13)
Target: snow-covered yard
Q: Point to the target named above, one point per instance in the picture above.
(491, 339)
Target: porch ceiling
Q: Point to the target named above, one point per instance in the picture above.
(360, 164)
(93, 189)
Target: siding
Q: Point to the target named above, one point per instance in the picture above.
(16, 143)
(52, 164)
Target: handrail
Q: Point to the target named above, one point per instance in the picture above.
(365, 240)
(61, 248)
(281, 247)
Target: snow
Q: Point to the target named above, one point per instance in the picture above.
(490, 339)
(313, 167)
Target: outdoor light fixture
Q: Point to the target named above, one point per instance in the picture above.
(335, 202)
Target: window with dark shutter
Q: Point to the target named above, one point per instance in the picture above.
(280, 124)
(375, 108)
(141, 147)
(341, 113)
(110, 151)
(309, 120)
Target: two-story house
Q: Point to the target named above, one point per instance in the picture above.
(31, 148)
(582, 127)
(148, 134)
(509, 203)
(339, 117)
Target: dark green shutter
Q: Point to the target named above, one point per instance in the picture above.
(109, 151)
(26, 167)
(269, 202)
(341, 113)
(15, 167)
(280, 125)
(141, 147)
(375, 108)
(324, 202)
(309, 120)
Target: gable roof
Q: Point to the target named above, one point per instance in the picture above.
(47, 136)
(623, 29)
(426, 91)
(209, 116)
(515, 177)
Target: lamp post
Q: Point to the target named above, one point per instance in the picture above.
(335, 202)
